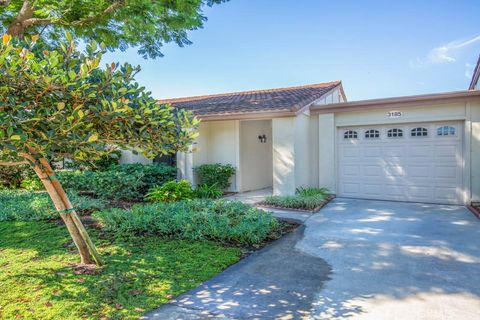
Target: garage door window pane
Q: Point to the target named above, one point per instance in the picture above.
(350, 134)
(395, 133)
(419, 132)
(369, 134)
(446, 131)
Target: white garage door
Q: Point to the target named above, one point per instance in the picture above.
(416, 162)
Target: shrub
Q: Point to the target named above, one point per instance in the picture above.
(27, 205)
(119, 182)
(215, 174)
(103, 163)
(304, 199)
(204, 191)
(221, 221)
(171, 191)
(11, 176)
(32, 184)
(310, 192)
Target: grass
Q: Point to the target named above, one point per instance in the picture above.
(304, 199)
(37, 280)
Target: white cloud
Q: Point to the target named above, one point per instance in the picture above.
(469, 70)
(445, 53)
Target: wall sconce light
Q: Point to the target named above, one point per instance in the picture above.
(262, 138)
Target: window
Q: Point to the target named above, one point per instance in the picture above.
(350, 134)
(446, 131)
(395, 133)
(419, 132)
(369, 134)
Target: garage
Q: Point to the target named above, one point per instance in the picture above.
(415, 162)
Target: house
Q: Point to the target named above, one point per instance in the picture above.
(268, 135)
(423, 148)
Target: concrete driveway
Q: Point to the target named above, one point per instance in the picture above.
(355, 259)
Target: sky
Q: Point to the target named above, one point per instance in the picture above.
(377, 48)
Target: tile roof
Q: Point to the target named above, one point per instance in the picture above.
(282, 99)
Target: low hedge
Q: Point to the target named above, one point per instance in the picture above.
(119, 182)
(304, 199)
(19, 205)
(220, 221)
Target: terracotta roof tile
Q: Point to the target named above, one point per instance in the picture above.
(282, 99)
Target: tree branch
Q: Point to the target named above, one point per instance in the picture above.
(5, 2)
(105, 12)
(38, 21)
(12, 164)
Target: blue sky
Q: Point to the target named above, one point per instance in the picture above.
(377, 48)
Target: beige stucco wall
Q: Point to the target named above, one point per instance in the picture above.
(255, 157)
(314, 150)
(302, 150)
(283, 137)
(218, 142)
(469, 112)
(129, 157)
(292, 153)
(474, 118)
(326, 151)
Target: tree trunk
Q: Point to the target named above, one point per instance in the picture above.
(85, 246)
(17, 28)
(73, 215)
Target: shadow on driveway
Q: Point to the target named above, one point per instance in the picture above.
(275, 282)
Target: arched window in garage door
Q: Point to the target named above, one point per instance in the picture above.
(350, 134)
(372, 133)
(446, 131)
(395, 133)
(419, 132)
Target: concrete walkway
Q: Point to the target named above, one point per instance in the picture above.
(355, 259)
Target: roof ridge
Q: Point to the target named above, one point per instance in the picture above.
(227, 94)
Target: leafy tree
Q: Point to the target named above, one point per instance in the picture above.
(145, 24)
(59, 103)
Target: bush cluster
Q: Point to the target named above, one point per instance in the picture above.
(182, 190)
(171, 191)
(220, 221)
(119, 182)
(215, 175)
(11, 177)
(20, 205)
(304, 199)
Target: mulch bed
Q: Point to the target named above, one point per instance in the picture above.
(475, 209)
(286, 227)
(316, 209)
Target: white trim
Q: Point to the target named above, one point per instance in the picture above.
(467, 156)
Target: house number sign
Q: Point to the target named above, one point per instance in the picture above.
(394, 114)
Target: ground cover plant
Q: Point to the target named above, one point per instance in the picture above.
(204, 191)
(222, 221)
(304, 199)
(21, 205)
(40, 280)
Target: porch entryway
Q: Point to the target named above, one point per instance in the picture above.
(256, 161)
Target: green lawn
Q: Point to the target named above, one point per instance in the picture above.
(38, 282)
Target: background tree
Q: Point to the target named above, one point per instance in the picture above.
(59, 103)
(145, 24)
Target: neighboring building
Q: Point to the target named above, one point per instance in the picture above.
(475, 77)
(422, 148)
